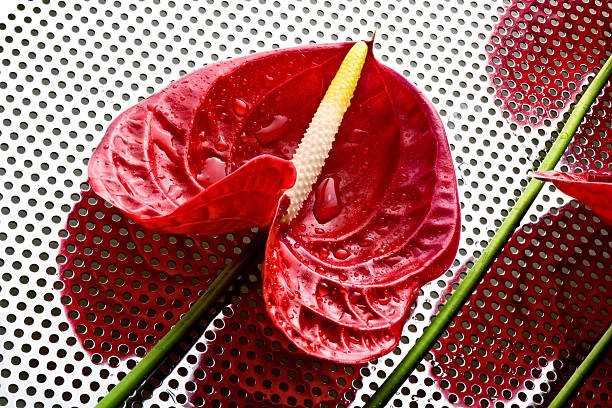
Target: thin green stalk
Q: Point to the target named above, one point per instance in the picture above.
(153, 359)
(577, 379)
(403, 370)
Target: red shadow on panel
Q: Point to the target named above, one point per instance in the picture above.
(125, 286)
(539, 310)
(542, 52)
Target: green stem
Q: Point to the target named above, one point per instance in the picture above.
(390, 386)
(577, 379)
(152, 360)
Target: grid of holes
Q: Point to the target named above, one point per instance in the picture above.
(123, 287)
(542, 52)
(540, 308)
(591, 148)
(243, 360)
(68, 69)
(544, 303)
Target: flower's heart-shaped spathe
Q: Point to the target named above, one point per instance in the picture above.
(209, 155)
(593, 189)
(340, 279)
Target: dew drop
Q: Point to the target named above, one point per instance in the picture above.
(274, 131)
(323, 253)
(212, 171)
(327, 202)
(381, 230)
(384, 299)
(323, 289)
(356, 135)
(268, 81)
(366, 242)
(221, 145)
(240, 107)
(341, 253)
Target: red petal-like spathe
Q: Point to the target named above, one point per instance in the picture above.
(595, 190)
(340, 280)
(208, 154)
(170, 162)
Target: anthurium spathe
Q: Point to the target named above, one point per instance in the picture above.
(210, 154)
(593, 189)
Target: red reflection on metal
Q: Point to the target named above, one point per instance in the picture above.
(542, 52)
(540, 308)
(125, 286)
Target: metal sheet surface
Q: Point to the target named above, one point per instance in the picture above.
(68, 68)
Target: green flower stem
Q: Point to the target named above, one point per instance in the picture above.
(577, 379)
(403, 370)
(153, 359)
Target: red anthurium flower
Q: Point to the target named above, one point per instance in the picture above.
(209, 154)
(595, 190)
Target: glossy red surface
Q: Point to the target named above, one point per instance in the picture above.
(382, 221)
(249, 362)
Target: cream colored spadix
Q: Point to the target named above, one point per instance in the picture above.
(319, 137)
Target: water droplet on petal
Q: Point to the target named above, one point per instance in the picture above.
(327, 202)
(385, 298)
(240, 107)
(366, 242)
(221, 145)
(323, 289)
(323, 252)
(274, 131)
(341, 253)
(356, 135)
(212, 171)
(268, 81)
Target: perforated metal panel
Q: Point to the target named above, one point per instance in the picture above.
(71, 327)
